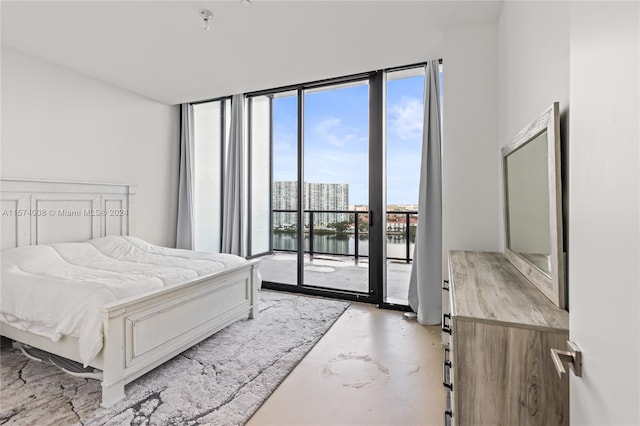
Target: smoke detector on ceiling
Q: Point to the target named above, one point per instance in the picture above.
(206, 15)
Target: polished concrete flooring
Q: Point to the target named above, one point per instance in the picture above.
(372, 368)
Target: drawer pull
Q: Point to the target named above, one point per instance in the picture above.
(448, 414)
(446, 375)
(573, 357)
(446, 327)
(445, 285)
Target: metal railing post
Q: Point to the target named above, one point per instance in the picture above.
(311, 233)
(355, 235)
(408, 235)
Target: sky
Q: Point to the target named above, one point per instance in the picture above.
(336, 139)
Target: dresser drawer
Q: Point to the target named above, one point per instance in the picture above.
(496, 367)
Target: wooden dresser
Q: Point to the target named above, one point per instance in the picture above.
(497, 333)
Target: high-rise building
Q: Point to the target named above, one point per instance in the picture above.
(317, 196)
(327, 196)
(285, 195)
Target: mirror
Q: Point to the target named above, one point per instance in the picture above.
(533, 216)
(528, 195)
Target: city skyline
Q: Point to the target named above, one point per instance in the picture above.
(316, 196)
(291, 196)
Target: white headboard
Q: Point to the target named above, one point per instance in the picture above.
(41, 212)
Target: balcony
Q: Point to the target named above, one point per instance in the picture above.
(336, 246)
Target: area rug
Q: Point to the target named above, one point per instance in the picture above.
(221, 381)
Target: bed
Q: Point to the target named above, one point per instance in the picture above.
(58, 235)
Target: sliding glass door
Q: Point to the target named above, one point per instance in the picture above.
(336, 188)
(318, 172)
(334, 176)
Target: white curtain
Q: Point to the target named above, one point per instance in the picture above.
(185, 233)
(233, 239)
(426, 274)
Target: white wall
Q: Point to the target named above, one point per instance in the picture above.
(470, 155)
(533, 45)
(60, 125)
(604, 233)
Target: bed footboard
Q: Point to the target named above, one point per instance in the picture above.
(143, 332)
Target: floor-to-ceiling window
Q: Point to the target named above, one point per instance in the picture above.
(259, 143)
(281, 184)
(404, 121)
(343, 165)
(211, 125)
(332, 182)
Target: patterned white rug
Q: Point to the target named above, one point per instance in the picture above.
(221, 381)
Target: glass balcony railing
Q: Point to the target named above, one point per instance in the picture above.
(343, 233)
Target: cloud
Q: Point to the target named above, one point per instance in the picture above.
(327, 130)
(406, 118)
(327, 124)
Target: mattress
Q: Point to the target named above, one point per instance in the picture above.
(56, 290)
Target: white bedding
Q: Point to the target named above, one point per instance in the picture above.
(55, 290)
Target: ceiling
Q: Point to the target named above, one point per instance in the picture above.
(160, 50)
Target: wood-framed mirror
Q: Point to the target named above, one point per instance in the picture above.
(533, 205)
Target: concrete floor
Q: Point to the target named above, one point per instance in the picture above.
(338, 272)
(372, 368)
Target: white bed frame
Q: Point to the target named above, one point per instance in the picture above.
(140, 332)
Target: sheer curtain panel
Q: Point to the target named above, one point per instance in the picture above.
(426, 273)
(185, 234)
(233, 238)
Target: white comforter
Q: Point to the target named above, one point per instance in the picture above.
(57, 289)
